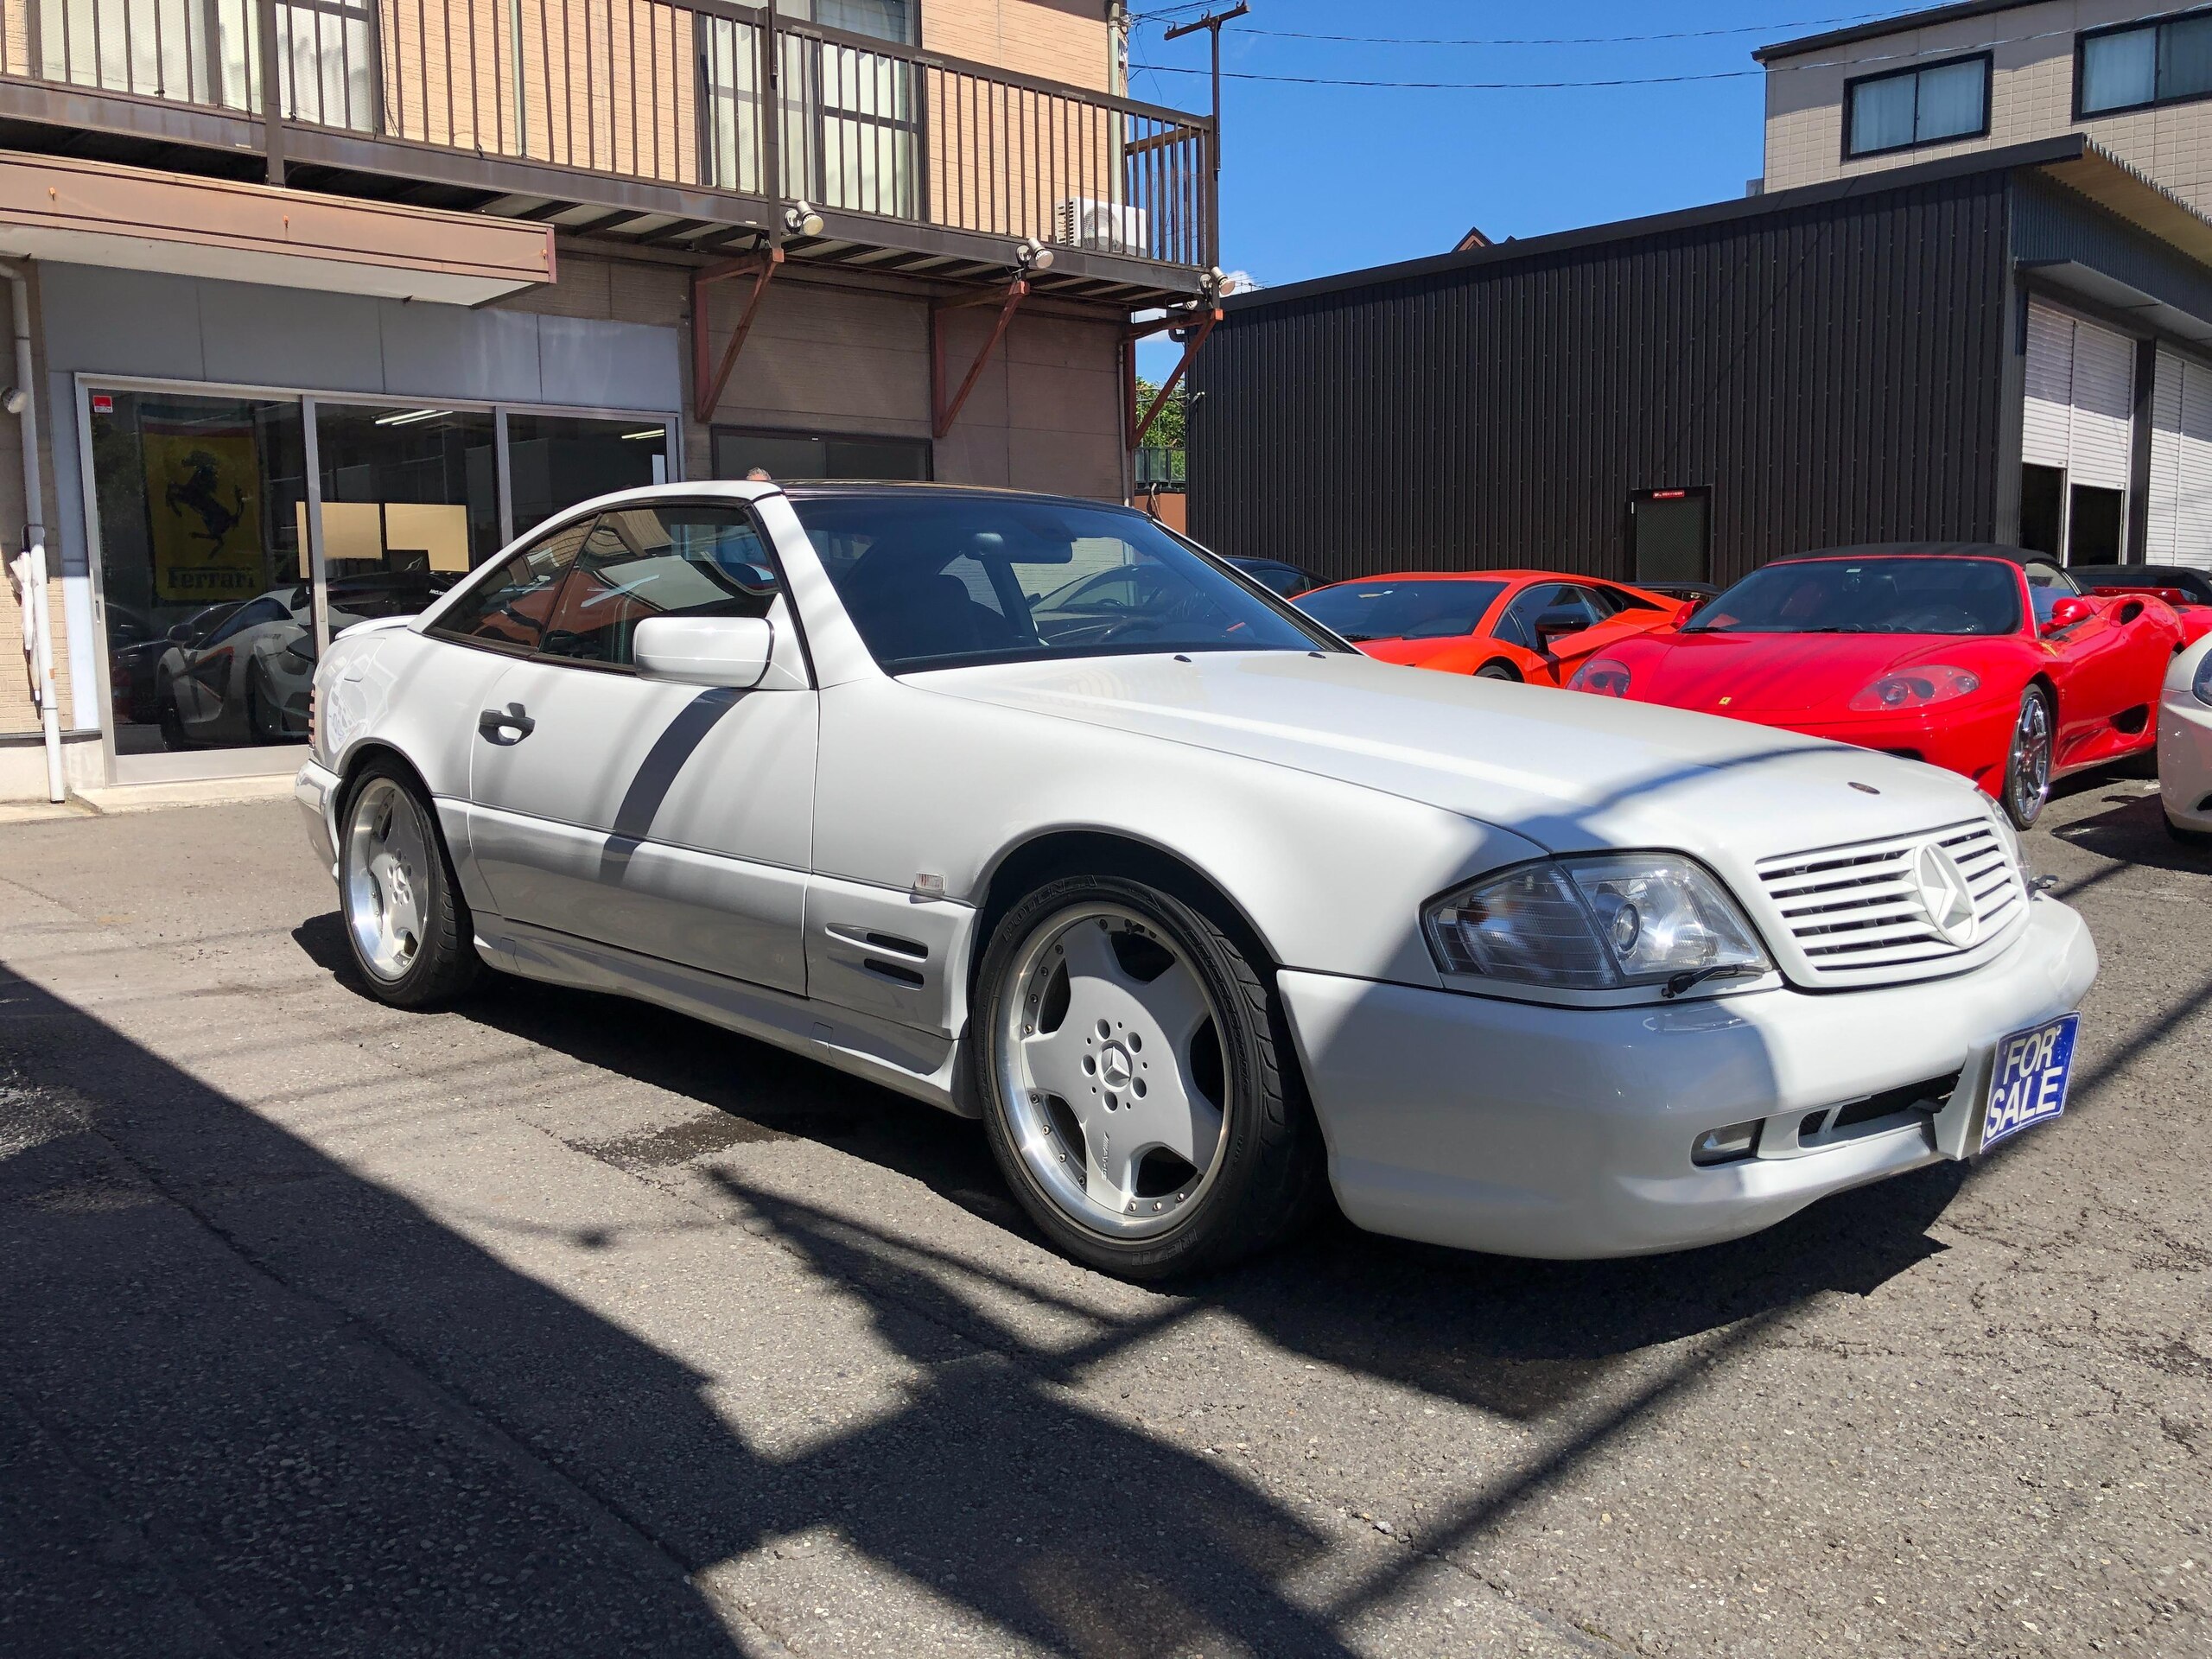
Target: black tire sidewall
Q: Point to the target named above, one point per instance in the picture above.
(1212, 1232)
(1497, 670)
(439, 970)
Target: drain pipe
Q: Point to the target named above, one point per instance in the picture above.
(35, 587)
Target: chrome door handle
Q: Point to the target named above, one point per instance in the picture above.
(495, 723)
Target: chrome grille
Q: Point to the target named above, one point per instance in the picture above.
(1855, 914)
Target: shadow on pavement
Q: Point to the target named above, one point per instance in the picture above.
(250, 1402)
(2132, 830)
(1519, 1338)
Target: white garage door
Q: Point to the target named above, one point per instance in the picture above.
(2080, 420)
(2180, 498)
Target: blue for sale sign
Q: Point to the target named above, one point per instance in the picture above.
(2027, 1084)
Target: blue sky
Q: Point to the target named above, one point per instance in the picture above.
(1325, 178)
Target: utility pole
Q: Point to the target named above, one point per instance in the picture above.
(1211, 23)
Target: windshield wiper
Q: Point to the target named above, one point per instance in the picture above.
(1690, 978)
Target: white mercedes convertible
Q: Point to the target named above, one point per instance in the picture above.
(1203, 913)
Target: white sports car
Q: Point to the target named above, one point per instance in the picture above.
(1198, 910)
(2186, 744)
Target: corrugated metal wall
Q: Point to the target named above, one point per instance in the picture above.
(1833, 372)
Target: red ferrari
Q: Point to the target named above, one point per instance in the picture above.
(1494, 624)
(1985, 660)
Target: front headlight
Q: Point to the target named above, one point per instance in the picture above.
(1916, 687)
(1596, 924)
(2200, 687)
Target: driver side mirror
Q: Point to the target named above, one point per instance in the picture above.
(1556, 623)
(2068, 611)
(733, 651)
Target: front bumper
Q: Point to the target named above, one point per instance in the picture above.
(316, 791)
(1527, 1129)
(2185, 760)
(1972, 741)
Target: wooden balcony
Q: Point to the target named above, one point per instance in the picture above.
(688, 124)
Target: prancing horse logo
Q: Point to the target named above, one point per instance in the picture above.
(1944, 895)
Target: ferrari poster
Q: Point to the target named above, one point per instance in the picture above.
(203, 509)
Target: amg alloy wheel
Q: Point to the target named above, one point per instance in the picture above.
(405, 919)
(2027, 764)
(1135, 1088)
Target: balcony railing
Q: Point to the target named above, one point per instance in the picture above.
(666, 92)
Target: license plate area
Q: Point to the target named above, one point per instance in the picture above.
(2028, 1076)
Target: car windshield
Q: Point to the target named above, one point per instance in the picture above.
(1424, 610)
(1914, 594)
(931, 582)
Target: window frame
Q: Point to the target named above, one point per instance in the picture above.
(2082, 38)
(433, 625)
(743, 508)
(1988, 97)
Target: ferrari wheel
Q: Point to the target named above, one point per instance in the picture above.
(2027, 767)
(1496, 670)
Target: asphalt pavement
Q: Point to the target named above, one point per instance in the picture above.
(561, 1325)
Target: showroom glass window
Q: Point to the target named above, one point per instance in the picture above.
(410, 504)
(556, 461)
(1933, 104)
(2163, 63)
(202, 507)
(820, 455)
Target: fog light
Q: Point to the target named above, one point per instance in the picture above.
(1726, 1146)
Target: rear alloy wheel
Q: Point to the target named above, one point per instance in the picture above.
(2027, 765)
(1497, 670)
(406, 922)
(1135, 1082)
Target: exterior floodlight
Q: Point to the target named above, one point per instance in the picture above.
(800, 220)
(14, 399)
(1032, 255)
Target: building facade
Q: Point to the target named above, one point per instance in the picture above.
(490, 259)
(1974, 348)
(1955, 79)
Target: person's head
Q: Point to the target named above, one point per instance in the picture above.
(758, 475)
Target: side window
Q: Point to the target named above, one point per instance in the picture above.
(1586, 601)
(263, 610)
(670, 559)
(507, 608)
(1518, 626)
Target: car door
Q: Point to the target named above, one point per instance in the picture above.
(2089, 663)
(671, 820)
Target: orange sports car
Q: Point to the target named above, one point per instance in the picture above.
(1496, 624)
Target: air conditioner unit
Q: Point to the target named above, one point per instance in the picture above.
(1101, 226)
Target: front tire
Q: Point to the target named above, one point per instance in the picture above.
(1136, 1082)
(2027, 762)
(406, 923)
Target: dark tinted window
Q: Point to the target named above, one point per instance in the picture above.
(508, 605)
(671, 560)
(1877, 595)
(931, 581)
(1423, 610)
(269, 607)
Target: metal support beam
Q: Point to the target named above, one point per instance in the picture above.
(943, 414)
(707, 385)
(1200, 327)
(272, 91)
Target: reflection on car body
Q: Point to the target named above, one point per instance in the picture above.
(1203, 913)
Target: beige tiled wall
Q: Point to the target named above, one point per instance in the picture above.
(1059, 40)
(2031, 96)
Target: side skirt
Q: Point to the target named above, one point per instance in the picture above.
(922, 1065)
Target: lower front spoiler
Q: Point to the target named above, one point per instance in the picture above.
(1528, 1130)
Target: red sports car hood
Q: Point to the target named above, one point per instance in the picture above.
(1776, 673)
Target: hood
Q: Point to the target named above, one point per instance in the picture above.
(1763, 674)
(1567, 771)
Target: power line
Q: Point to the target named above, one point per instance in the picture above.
(1453, 85)
(1579, 39)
